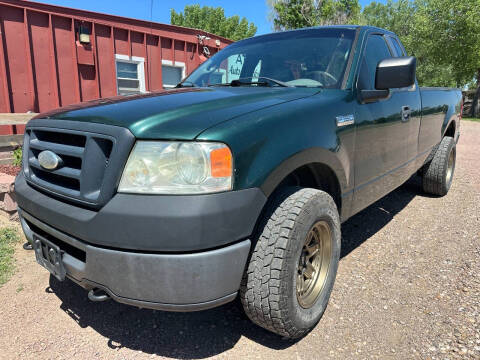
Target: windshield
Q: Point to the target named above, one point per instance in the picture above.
(308, 58)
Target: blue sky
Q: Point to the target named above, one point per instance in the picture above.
(253, 10)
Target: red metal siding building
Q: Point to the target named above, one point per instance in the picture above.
(52, 56)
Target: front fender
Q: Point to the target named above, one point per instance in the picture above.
(270, 143)
(305, 157)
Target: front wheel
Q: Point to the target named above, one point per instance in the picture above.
(294, 262)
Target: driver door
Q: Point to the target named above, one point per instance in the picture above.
(381, 133)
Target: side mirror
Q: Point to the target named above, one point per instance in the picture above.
(391, 73)
(395, 73)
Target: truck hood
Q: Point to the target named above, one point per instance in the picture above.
(178, 113)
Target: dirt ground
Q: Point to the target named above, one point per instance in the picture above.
(408, 286)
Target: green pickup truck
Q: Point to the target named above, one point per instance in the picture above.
(236, 182)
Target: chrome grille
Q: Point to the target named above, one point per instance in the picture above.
(86, 174)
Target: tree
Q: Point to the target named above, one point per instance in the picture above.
(395, 16)
(213, 20)
(453, 30)
(294, 14)
(400, 17)
(444, 35)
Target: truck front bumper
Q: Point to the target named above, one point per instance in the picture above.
(165, 269)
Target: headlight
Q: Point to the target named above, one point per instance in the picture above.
(161, 167)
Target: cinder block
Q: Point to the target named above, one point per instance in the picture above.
(6, 183)
(10, 202)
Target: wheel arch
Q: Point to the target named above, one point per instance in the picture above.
(450, 129)
(452, 117)
(316, 168)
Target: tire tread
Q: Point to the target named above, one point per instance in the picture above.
(434, 174)
(261, 291)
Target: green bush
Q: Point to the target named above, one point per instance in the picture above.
(17, 157)
(8, 238)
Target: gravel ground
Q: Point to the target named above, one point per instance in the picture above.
(9, 169)
(408, 286)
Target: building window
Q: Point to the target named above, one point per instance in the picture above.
(172, 73)
(130, 74)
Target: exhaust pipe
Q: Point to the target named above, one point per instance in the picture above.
(98, 295)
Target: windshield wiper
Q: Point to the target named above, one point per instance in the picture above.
(275, 81)
(184, 84)
(242, 82)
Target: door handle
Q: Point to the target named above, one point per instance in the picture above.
(406, 111)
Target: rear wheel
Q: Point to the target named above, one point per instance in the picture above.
(437, 174)
(294, 262)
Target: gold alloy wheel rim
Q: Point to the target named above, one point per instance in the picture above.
(450, 166)
(313, 264)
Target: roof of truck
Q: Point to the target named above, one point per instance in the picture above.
(347, 27)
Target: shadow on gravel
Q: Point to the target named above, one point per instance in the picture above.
(194, 335)
(211, 332)
(368, 222)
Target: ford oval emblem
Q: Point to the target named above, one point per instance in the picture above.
(49, 160)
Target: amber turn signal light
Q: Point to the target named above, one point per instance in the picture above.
(221, 162)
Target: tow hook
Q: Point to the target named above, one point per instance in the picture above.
(98, 295)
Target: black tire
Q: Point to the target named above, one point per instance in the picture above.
(268, 291)
(437, 174)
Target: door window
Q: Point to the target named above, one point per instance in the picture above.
(375, 51)
(396, 45)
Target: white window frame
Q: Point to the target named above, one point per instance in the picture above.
(177, 64)
(140, 61)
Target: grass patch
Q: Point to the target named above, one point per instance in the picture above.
(17, 157)
(472, 119)
(8, 238)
